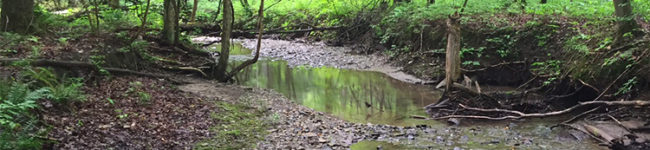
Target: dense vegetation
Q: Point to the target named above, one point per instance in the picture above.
(54, 49)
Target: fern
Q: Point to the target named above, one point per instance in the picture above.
(68, 92)
(15, 105)
(42, 75)
(58, 90)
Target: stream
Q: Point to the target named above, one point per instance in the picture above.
(374, 98)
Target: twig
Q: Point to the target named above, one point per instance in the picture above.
(494, 66)
(580, 115)
(524, 115)
(527, 82)
(620, 124)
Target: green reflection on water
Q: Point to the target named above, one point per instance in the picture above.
(235, 49)
(356, 96)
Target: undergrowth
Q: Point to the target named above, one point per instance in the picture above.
(20, 128)
(238, 127)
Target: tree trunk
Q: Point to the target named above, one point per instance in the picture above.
(114, 4)
(452, 66)
(260, 25)
(193, 16)
(625, 22)
(170, 17)
(17, 16)
(432, 1)
(543, 1)
(225, 41)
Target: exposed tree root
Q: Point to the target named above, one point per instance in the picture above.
(519, 114)
(189, 69)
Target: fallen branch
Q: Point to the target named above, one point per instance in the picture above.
(210, 43)
(77, 64)
(524, 115)
(605, 90)
(494, 66)
(418, 117)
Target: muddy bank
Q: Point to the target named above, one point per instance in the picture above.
(318, 54)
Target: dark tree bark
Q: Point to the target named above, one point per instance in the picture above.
(543, 1)
(193, 16)
(17, 15)
(222, 65)
(625, 22)
(170, 17)
(432, 1)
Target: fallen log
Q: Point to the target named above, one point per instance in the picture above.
(520, 115)
(205, 28)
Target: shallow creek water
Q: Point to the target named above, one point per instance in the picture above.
(373, 97)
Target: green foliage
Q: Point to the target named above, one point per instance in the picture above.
(144, 97)
(16, 120)
(627, 87)
(550, 68)
(99, 60)
(16, 99)
(137, 89)
(577, 44)
(114, 19)
(63, 91)
(476, 52)
(504, 45)
(67, 92)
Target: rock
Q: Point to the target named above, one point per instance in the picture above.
(310, 134)
(105, 126)
(453, 121)
(322, 140)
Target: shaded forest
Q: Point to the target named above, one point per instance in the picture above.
(324, 74)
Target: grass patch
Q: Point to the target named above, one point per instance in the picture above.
(238, 127)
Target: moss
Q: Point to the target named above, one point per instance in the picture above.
(238, 127)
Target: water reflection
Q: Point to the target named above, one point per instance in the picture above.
(235, 49)
(356, 96)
